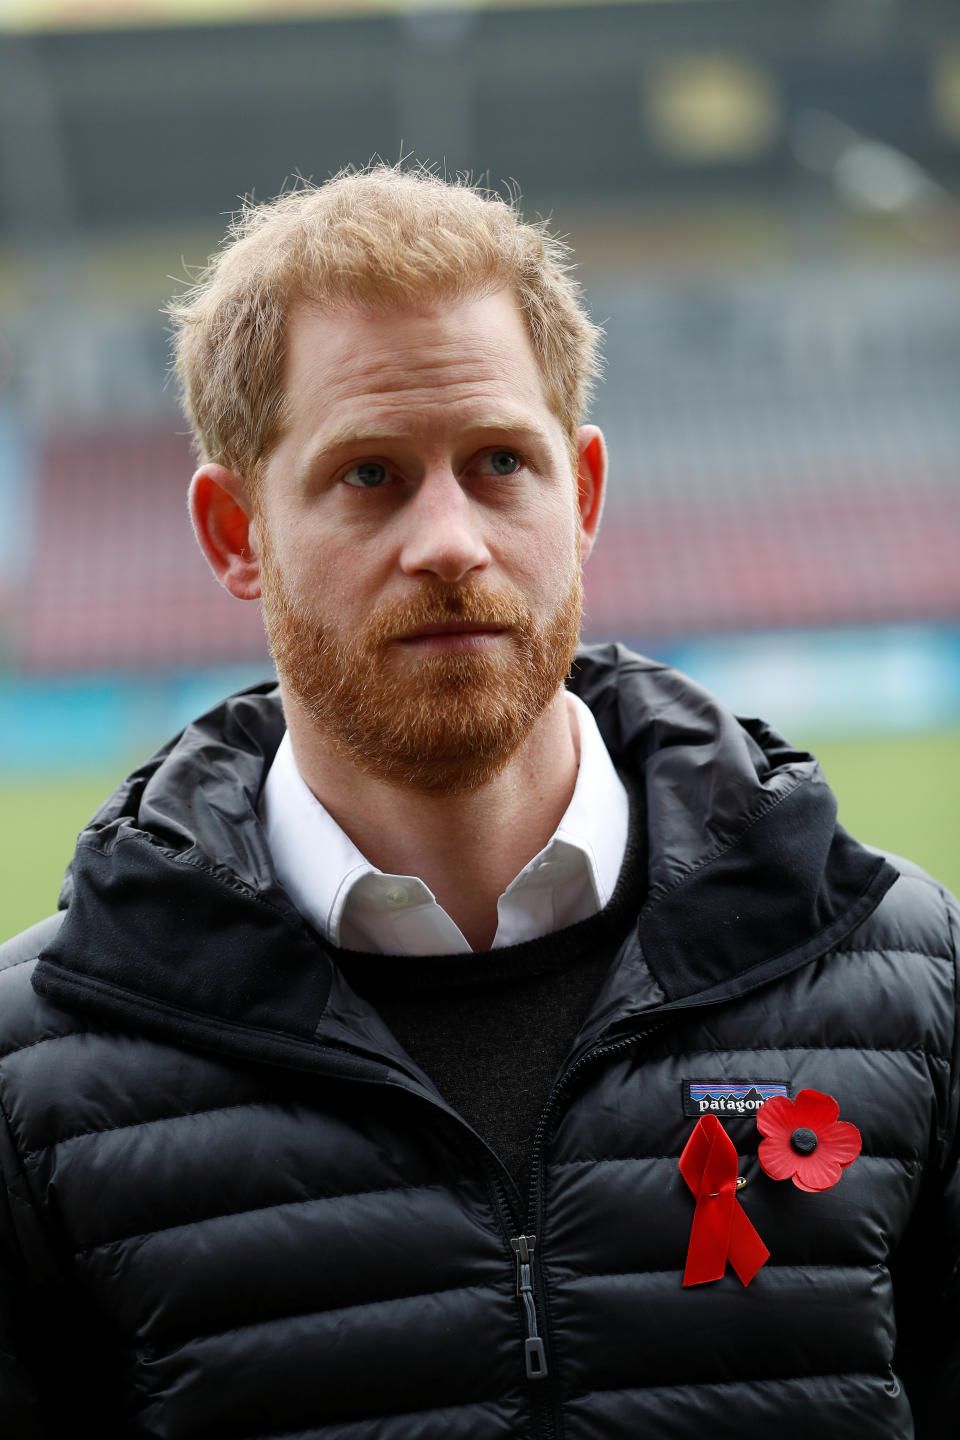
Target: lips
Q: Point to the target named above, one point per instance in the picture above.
(452, 628)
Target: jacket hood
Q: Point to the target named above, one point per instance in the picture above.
(175, 916)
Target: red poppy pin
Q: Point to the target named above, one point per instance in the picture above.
(804, 1141)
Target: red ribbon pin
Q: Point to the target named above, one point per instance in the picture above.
(721, 1230)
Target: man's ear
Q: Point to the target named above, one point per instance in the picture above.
(223, 522)
(591, 483)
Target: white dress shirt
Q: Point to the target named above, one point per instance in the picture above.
(352, 903)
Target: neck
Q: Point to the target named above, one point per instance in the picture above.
(466, 847)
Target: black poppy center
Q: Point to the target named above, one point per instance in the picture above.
(804, 1141)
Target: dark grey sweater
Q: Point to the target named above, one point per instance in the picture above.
(492, 1028)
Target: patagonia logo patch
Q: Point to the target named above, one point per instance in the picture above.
(729, 1097)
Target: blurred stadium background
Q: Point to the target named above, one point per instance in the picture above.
(763, 198)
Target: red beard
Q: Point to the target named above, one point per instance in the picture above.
(436, 722)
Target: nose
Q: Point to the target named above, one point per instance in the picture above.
(443, 536)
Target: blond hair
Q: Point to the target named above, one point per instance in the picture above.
(381, 238)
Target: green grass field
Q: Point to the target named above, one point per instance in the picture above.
(902, 793)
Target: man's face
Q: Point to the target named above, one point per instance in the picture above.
(418, 531)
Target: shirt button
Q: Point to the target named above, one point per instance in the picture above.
(397, 896)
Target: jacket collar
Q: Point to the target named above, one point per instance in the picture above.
(749, 873)
(176, 923)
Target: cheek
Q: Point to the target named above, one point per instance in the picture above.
(311, 565)
(545, 553)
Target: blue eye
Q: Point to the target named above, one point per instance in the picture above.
(367, 475)
(504, 462)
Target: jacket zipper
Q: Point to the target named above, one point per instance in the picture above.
(534, 1358)
(528, 1286)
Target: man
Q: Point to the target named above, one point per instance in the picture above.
(428, 1047)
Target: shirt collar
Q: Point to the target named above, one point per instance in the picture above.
(349, 901)
(598, 816)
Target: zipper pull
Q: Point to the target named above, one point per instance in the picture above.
(534, 1357)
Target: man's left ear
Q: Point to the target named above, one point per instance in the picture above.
(591, 483)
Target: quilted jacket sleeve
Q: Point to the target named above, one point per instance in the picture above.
(52, 1351)
(927, 1274)
(55, 1355)
(19, 1407)
(20, 1317)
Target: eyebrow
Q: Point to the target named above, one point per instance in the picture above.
(349, 437)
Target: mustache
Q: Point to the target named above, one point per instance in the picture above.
(468, 604)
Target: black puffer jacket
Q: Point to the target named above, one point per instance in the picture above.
(232, 1212)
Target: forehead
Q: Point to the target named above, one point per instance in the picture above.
(351, 363)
